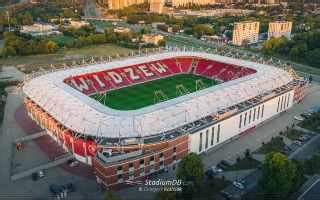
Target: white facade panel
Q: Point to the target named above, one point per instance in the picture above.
(231, 127)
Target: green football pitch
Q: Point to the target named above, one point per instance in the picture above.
(149, 93)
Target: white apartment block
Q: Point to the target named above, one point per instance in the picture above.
(280, 28)
(246, 32)
(156, 6)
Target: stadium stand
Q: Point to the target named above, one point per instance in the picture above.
(92, 83)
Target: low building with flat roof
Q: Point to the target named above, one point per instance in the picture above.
(38, 29)
(122, 30)
(152, 38)
(78, 24)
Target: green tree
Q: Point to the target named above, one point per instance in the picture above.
(202, 29)
(190, 171)
(110, 35)
(313, 57)
(312, 165)
(279, 176)
(166, 195)
(162, 43)
(27, 19)
(111, 196)
(51, 47)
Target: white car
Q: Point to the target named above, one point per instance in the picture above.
(238, 185)
(216, 169)
(298, 118)
(41, 174)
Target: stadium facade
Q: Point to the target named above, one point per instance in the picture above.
(125, 145)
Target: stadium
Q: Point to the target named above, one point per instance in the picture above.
(133, 117)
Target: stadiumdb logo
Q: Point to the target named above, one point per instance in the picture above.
(161, 182)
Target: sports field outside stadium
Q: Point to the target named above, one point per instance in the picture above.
(151, 92)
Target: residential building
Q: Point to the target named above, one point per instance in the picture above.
(246, 32)
(280, 28)
(152, 38)
(157, 6)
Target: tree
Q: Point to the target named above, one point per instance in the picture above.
(312, 165)
(313, 57)
(190, 171)
(51, 47)
(279, 176)
(111, 196)
(166, 195)
(162, 43)
(202, 29)
(27, 19)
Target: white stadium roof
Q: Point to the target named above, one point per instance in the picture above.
(85, 115)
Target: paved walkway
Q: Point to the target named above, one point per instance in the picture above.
(11, 73)
(51, 164)
(30, 137)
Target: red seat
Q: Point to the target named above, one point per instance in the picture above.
(124, 76)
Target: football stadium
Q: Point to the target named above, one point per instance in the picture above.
(132, 117)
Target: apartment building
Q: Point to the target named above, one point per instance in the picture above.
(279, 28)
(245, 33)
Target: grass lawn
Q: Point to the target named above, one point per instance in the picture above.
(28, 64)
(245, 163)
(141, 95)
(274, 145)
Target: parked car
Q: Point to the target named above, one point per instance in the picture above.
(238, 185)
(56, 190)
(224, 162)
(70, 187)
(307, 136)
(37, 175)
(287, 148)
(302, 138)
(216, 169)
(61, 191)
(222, 166)
(297, 142)
(209, 173)
(73, 163)
(306, 114)
(226, 195)
(298, 118)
